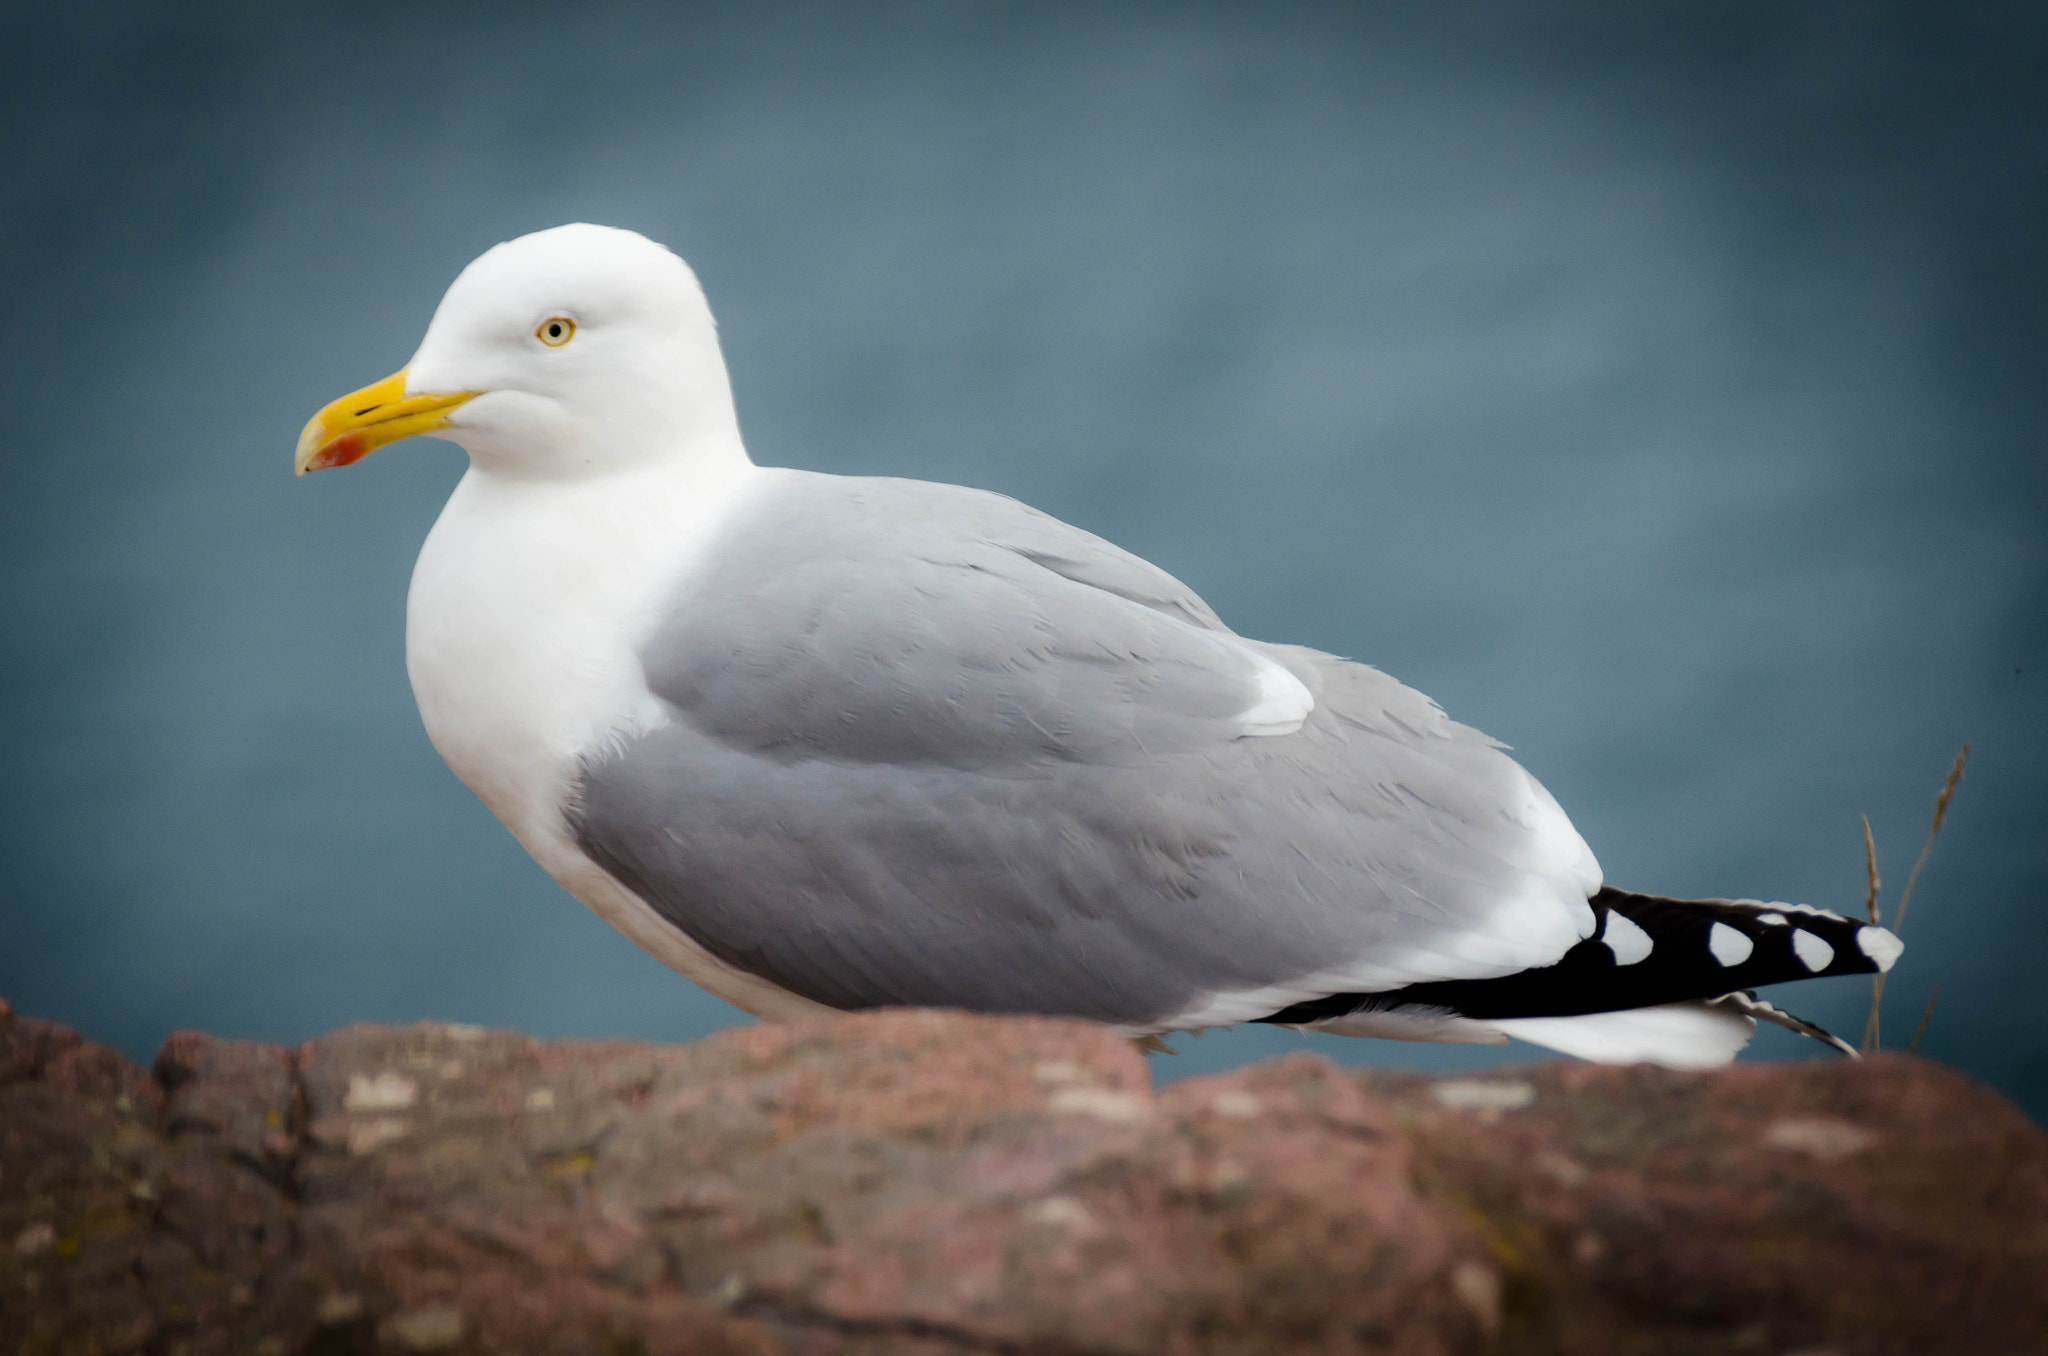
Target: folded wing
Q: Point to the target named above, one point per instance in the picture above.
(928, 746)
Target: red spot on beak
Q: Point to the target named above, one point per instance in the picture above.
(346, 450)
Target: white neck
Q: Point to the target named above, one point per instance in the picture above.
(528, 607)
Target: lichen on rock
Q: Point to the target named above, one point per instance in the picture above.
(938, 1182)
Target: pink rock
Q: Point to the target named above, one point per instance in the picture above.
(936, 1182)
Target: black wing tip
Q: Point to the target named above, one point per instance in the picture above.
(1672, 951)
(1772, 943)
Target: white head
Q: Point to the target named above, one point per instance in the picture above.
(563, 354)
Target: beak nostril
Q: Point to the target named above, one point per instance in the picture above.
(365, 410)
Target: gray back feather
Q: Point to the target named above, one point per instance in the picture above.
(928, 746)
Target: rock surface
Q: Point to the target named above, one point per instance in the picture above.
(936, 1183)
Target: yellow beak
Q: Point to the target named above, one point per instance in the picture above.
(358, 424)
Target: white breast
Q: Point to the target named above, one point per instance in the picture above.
(523, 626)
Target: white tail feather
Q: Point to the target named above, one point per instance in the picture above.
(1694, 1035)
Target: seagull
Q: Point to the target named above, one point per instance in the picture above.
(823, 743)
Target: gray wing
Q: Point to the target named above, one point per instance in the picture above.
(928, 746)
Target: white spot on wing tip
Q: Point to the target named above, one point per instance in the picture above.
(1729, 946)
(1880, 945)
(1626, 939)
(1813, 952)
(1283, 702)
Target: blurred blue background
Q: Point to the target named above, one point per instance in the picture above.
(1662, 388)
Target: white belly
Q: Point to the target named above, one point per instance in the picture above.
(523, 627)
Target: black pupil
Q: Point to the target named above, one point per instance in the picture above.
(554, 331)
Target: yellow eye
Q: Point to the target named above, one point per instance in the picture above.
(556, 331)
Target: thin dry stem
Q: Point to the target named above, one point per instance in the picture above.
(1925, 1018)
(1948, 790)
(1870, 1023)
